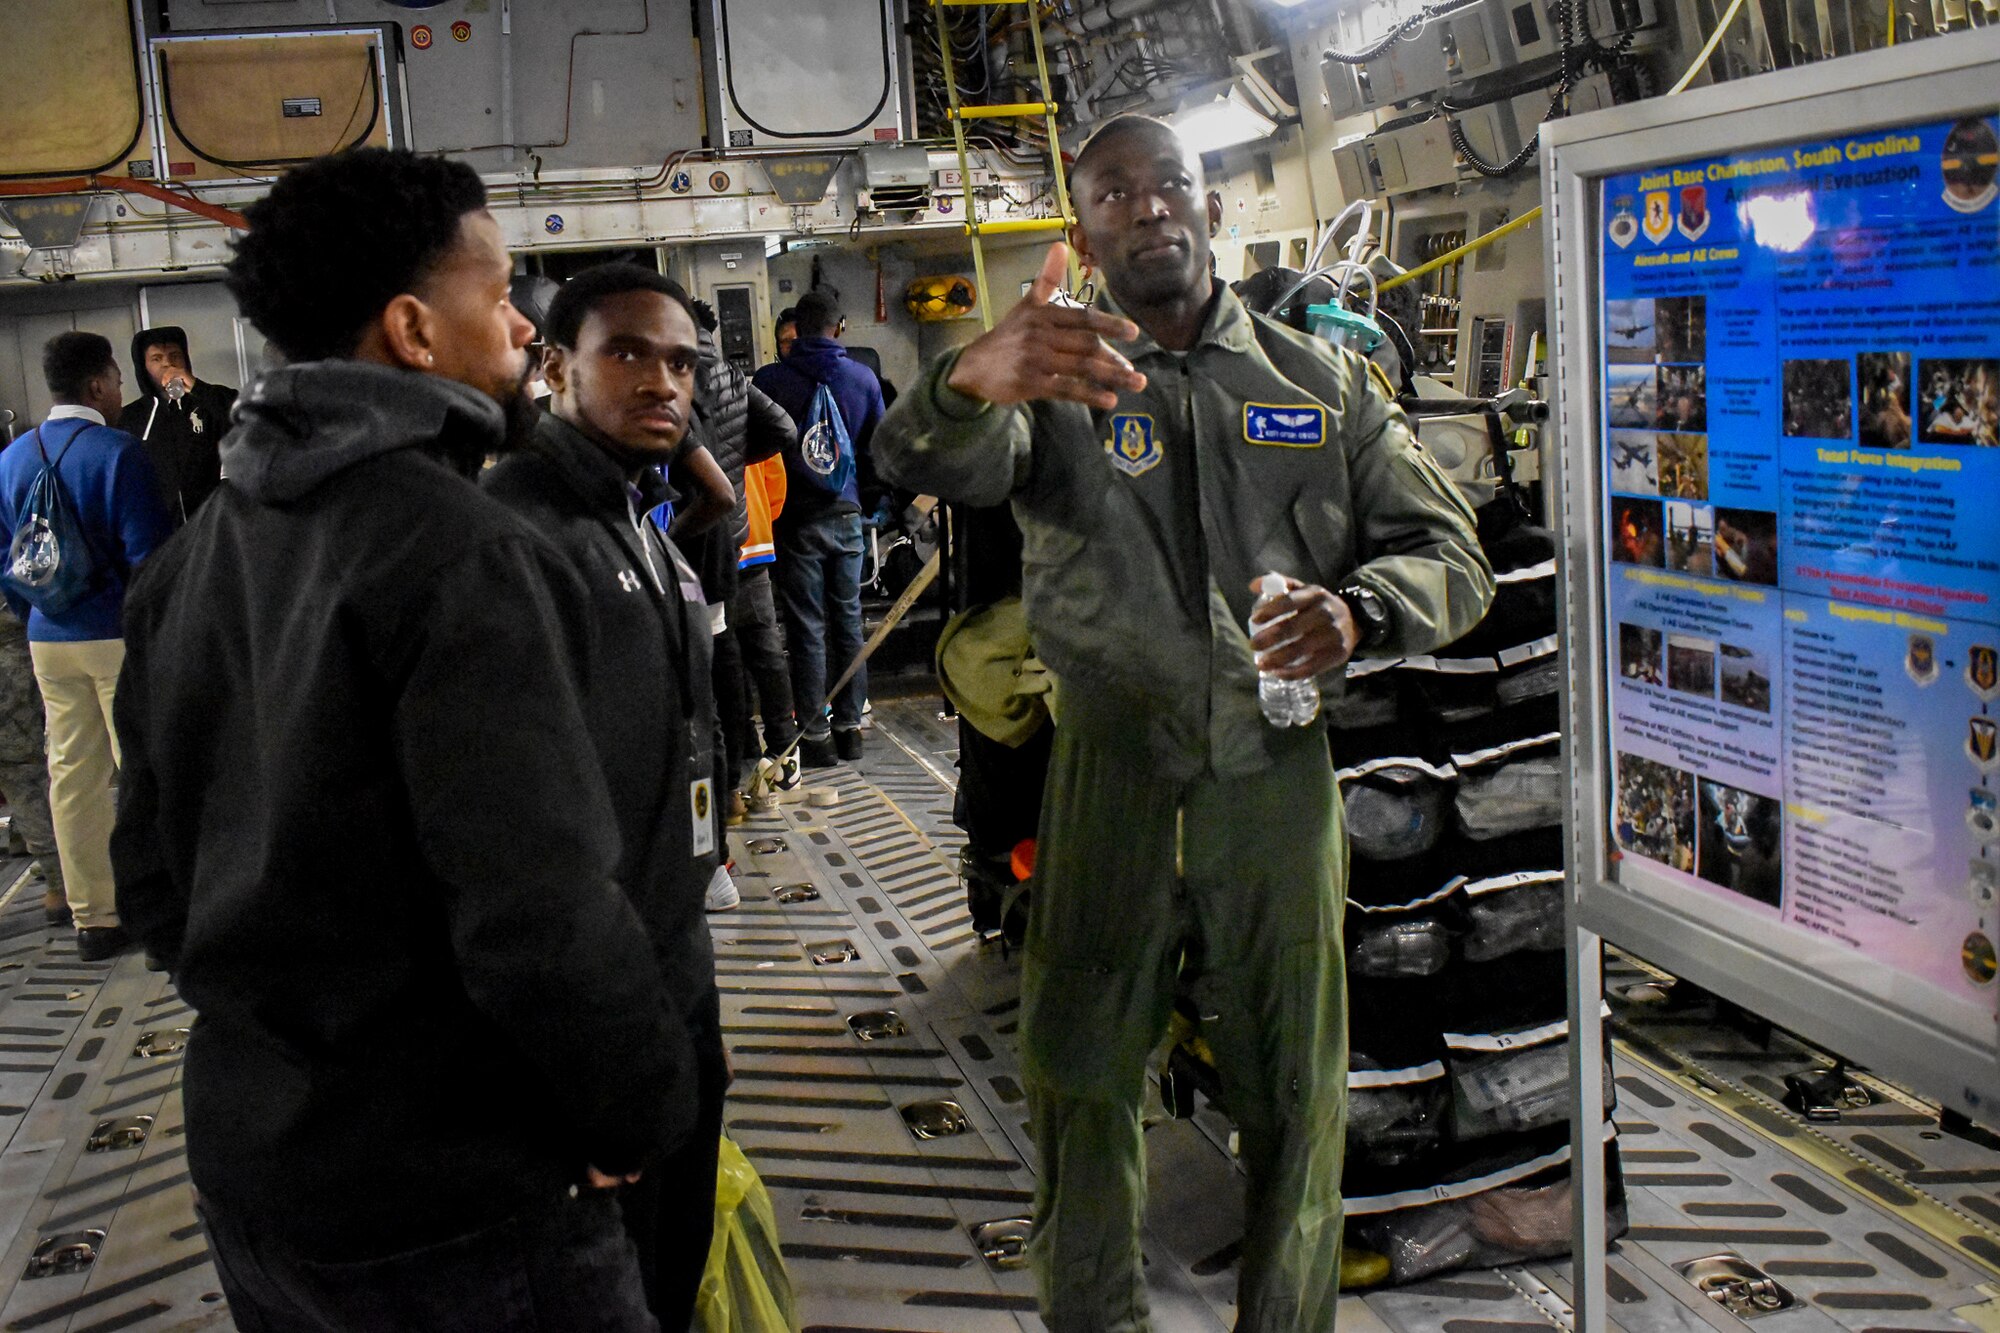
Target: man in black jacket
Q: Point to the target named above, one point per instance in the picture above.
(620, 366)
(181, 420)
(745, 426)
(361, 818)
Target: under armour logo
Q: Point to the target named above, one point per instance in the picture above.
(628, 580)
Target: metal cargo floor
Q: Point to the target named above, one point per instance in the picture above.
(1878, 1224)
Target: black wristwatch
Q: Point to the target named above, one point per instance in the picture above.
(1371, 617)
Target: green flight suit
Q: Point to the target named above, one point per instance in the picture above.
(1186, 843)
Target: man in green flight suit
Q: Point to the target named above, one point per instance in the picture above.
(1185, 841)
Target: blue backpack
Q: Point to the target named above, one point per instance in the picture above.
(49, 562)
(824, 448)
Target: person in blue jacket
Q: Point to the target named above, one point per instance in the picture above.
(819, 534)
(77, 654)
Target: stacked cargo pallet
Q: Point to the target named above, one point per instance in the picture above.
(1451, 769)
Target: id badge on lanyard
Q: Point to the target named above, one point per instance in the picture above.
(701, 804)
(701, 792)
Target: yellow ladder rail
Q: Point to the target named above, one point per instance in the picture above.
(959, 113)
(1055, 145)
(1000, 226)
(1004, 111)
(964, 161)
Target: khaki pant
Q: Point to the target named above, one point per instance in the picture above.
(78, 681)
(1232, 890)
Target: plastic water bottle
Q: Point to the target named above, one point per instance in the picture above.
(1286, 703)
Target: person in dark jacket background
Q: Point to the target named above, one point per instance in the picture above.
(819, 534)
(531, 293)
(621, 370)
(697, 518)
(745, 426)
(361, 819)
(181, 420)
(786, 330)
(78, 651)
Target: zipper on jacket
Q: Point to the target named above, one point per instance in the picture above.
(1201, 546)
(645, 545)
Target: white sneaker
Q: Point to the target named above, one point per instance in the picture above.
(786, 779)
(722, 894)
(763, 793)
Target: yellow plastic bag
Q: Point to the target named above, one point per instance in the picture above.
(745, 1288)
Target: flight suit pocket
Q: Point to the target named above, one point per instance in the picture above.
(1060, 585)
(1328, 535)
(1047, 544)
(1086, 1030)
(1312, 1041)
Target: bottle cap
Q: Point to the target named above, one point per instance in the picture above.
(1345, 328)
(1272, 585)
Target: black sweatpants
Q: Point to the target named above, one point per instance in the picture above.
(563, 1266)
(760, 649)
(670, 1213)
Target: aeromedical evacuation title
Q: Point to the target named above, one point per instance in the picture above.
(1801, 453)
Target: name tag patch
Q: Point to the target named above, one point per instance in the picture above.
(1293, 427)
(1134, 446)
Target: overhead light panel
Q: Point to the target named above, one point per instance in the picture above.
(1222, 122)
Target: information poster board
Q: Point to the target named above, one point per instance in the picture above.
(1802, 471)
(1780, 407)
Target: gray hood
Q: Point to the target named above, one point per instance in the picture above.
(300, 425)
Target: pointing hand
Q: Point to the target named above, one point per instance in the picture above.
(1045, 352)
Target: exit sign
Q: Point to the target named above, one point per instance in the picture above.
(951, 178)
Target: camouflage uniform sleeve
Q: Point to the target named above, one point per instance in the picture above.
(941, 442)
(1415, 535)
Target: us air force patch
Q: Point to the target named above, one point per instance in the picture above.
(1294, 427)
(1133, 446)
(1982, 671)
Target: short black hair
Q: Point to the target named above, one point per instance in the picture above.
(166, 335)
(590, 288)
(70, 361)
(1116, 127)
(340, 237)
(817, 314)
(704, 315)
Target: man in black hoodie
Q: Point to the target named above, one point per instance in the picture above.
(362, 820)
(181, 420)
(620, 367)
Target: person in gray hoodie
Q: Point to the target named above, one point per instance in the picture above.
(361, 819)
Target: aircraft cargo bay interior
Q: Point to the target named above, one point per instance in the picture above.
(853, 666)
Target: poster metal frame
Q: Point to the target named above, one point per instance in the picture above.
(1849, 1006)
